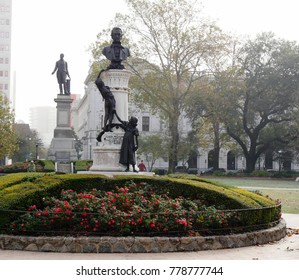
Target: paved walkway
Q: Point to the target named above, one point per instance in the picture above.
(285, 249)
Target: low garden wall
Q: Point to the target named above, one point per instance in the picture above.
(141, 244)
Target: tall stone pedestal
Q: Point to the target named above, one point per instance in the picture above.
(62, 147)
(106, 154)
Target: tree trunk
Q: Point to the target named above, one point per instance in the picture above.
(251, 158)
(216, 149)
(174, 139)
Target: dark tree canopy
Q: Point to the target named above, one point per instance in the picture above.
(263, 105)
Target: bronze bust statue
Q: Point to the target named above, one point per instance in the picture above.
(116, 53)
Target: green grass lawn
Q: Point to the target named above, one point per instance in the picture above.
(285, 190)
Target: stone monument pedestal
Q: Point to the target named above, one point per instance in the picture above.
(62, 147)
(106, 155)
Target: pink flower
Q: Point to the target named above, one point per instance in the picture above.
(182, 222)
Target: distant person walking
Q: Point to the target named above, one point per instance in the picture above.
(31, 166)
(142, 166)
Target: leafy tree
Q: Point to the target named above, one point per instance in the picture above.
(187, 149)
(8, 138)
(170, 44)
(152, 147)
(78, 143)
(206, 111)
(30, 145)
(263, 104)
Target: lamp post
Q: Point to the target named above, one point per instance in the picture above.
(279, 160)
(36, 151)
(28, 152)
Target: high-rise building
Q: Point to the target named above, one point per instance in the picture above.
(43, 120)
(5, 49)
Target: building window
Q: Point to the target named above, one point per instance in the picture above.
(145, 123)
(4, 47)
(4, 9)
(4, 34)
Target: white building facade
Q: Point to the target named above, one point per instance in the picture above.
(87, 118)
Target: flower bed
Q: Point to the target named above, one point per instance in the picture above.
(133, 209)
(71, 205)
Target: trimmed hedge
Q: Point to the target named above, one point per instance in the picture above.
(40, 165)
(82, 165)
(261, 200)
(19, 191)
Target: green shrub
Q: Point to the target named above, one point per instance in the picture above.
(284, 174)
(82, 165)
(40, 166)
(260, 173)
(14, 168)
(49, 165)
(218, 173)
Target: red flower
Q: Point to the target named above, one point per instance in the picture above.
(182, 222)
(58, 210)
(45, 213)
(152, 224)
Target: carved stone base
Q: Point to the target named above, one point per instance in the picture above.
(62, 147)
(106, 159)
(62, 150)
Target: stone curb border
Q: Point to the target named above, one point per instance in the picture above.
(108, 244)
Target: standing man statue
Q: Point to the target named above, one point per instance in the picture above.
(116, 53)
(62, 74)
